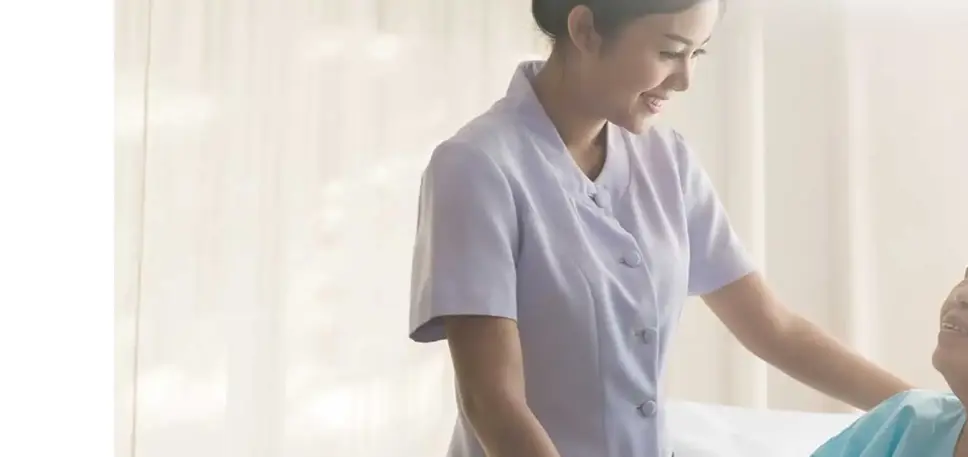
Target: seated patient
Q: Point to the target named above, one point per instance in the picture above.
(919, 423)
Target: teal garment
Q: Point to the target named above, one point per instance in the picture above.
(917, 423)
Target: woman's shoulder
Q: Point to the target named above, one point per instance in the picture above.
(487, 139)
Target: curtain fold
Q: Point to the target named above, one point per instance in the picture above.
(131, 65)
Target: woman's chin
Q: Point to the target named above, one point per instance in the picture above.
(951, 360)
(635, 123)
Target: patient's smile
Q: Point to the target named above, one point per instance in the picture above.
(953, 328)
(955, 325)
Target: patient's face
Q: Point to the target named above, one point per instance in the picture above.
(951, 356)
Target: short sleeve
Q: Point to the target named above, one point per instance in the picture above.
(716, 254)
(465, 250)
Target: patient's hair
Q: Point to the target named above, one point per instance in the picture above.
(610, 15)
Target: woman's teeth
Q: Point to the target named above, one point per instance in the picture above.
(947, 326)
(655, 104)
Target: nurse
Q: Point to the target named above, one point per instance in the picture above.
(559, 234)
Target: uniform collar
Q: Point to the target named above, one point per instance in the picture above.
(614, 177)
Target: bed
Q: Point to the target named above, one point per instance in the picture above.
(704, 430)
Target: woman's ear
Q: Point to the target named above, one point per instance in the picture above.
(581, 30)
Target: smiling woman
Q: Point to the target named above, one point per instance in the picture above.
(920, 423)
(646, 51)
(541, 257)
(951, 355)
(560, 233)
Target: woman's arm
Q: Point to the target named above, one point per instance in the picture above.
(490, 376)
(799, 348)
(722, 272)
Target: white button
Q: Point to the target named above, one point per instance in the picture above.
(647, 336)
(600, 199)
(648, 409)
(632, 259)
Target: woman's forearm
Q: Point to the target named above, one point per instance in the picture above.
(806, 353)
(506, 427)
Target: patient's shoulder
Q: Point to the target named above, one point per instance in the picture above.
(899, 423)
(909, 407)
(920, 403)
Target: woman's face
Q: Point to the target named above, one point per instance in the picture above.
(630, 77)
(951, 355)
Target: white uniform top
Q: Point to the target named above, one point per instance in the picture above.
(594, 272)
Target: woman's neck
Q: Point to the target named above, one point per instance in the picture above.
(561, 99)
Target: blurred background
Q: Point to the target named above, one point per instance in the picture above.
(268, 161)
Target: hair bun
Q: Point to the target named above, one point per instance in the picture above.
(610, 15)
(552, 16)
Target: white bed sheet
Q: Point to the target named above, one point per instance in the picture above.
(706, 430)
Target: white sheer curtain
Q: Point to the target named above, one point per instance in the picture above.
(268, 157)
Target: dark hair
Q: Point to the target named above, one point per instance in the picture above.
(610, 15)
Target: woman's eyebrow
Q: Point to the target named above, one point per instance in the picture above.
(684, 40)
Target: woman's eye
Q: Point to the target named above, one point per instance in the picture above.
(681, 55)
